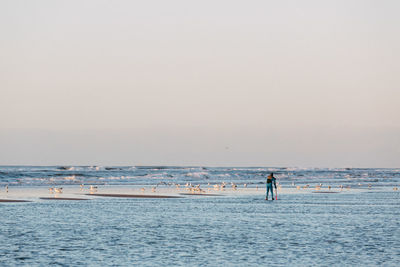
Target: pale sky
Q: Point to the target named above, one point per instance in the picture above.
(216, 83)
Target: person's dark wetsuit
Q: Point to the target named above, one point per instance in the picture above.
(270, 180)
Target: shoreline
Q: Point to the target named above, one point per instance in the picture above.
(76, 192)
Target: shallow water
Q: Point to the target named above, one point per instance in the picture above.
(343, 229)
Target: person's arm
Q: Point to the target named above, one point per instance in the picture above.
(275, 182)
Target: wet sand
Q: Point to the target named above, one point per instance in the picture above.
(199, 194)
(132, 196)
(75, 192)
(325, 192)
(62, 198)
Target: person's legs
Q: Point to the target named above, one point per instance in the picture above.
(272, 192)
(269, 188)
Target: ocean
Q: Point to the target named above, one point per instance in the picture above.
(339, 217)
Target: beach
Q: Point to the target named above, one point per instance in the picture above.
(148, 133)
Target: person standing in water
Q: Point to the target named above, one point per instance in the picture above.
(270, 180)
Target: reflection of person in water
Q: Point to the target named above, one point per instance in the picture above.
(270, 180)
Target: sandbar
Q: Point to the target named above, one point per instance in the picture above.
(132, 196)
(325, 192)
(197, 194)
(62, 198)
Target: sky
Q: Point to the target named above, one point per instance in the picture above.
(215, 83)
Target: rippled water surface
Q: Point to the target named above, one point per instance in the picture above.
(360, 229)
(359, 226)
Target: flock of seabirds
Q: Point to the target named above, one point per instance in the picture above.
(271, 184)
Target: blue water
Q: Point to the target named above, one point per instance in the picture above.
(360, 228)
(151, 175)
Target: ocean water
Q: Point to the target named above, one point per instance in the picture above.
(357, 227)
(151, 175)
